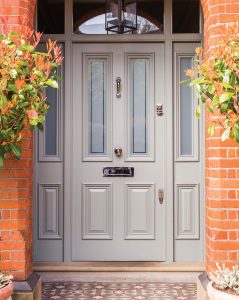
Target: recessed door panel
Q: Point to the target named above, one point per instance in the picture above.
(97, 211)
(139, 212)
(118, 153)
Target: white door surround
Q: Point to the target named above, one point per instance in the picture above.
(183, 176)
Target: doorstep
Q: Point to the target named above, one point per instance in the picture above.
(120, 277)
(120, 267)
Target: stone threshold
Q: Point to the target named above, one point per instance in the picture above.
(120, 267)
(120, 277)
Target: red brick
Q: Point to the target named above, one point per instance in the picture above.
(16, 179)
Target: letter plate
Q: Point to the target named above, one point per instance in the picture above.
(118, 172)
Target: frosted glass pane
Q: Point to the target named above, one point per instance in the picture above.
(139, 84)
(96, 105)
(51, 123)
(186, 110)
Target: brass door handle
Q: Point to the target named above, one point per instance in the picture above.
(161, 195)
(118, 151)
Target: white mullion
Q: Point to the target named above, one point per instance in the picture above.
(169, 153)
(168, 17)
(68, 19)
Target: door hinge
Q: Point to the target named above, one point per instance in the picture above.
(161, 195)
(159, 109)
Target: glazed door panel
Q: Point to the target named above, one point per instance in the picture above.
(115, 92)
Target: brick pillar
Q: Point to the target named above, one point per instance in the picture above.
(16, 181)
(222, 159)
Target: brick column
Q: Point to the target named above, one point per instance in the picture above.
(16, 181)
(222, 159)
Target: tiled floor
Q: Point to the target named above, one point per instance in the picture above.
(114, 291)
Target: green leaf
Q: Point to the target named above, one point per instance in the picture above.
(236, 134)
(39, 73)
(33, 122)
(52, 83)
(16, 150)
(27, 48)
(13, 34)
(210, 108)
(196, 81)
(227, 85)
(226, 96)
(1, 162)
(184, 81)
(41, 53)
(226, 134)
(198, 111)
(13, 73)
(215, 99)
(3, 100)
(211, 89)
(22, 63)
(211, 129)
(19, 52)
(12, 87)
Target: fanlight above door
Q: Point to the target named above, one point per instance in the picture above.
(96, 25)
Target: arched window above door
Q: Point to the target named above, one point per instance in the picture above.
(96, 25)
(88, 16)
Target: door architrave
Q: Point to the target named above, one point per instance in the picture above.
(168, 38)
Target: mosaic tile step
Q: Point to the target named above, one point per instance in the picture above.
(114, 291)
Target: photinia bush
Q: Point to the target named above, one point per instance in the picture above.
(25, 73)
(216, 82)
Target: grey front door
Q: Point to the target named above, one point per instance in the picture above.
(116, 88)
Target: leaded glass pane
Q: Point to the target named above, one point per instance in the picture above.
(139, 102)
(97, 72)
(51, 123)
(186, 110)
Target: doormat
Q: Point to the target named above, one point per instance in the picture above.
(114, 291)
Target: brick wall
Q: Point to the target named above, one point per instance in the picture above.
(222, 159)
(16, 181)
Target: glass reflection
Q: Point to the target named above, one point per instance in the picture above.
(96, 25)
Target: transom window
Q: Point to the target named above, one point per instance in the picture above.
(89, 16)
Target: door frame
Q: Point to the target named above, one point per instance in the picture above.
(168, 38)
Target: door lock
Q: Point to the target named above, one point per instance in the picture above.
(159, 110)
(161, 195)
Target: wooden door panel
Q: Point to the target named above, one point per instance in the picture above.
(117, 218)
